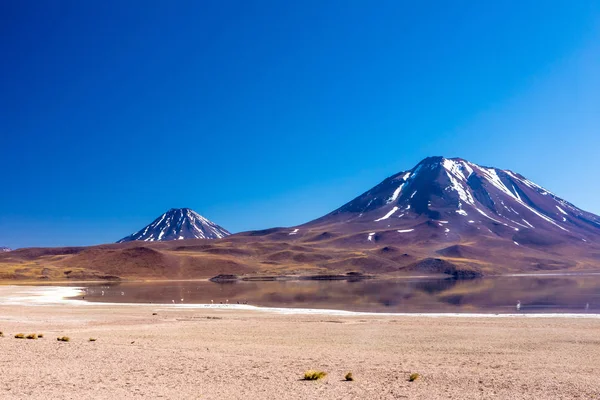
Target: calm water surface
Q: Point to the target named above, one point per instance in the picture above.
(568, 294)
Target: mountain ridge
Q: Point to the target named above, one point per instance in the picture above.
(447, 217)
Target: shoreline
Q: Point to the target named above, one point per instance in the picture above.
(62, 295)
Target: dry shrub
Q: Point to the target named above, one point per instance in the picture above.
(349, 377)
(63, 339)
(314, 375)
(413, 377)
(19, 336)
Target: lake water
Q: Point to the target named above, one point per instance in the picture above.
(537, 294)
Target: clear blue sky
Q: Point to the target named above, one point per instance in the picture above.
(272, 113)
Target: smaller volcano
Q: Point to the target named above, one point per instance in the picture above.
(178, 224)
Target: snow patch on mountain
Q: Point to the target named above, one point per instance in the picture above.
(389, 214)
(396, 194)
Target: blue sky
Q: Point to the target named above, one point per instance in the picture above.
(272, 113)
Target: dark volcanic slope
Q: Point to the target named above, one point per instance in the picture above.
(178, 224)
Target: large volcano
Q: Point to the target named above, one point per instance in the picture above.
(450, 199)
(453, 210)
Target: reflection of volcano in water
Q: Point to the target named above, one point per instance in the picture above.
(536, 294)
(435, 286)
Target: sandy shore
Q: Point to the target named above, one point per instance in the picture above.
(189, 353)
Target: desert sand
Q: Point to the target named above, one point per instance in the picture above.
(198, 353)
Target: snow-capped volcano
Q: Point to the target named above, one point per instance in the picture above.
(463, 198)
(4, 249)
(178, 224)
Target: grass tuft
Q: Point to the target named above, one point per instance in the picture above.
(314, 375)
(92, 339)
(32, 336)
(63, 339)
(40, 335)
(19, 336)
(1, 334)
(349, 377)
(413, 377)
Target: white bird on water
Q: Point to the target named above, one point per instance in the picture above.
(519, 305)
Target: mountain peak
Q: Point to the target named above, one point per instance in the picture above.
(439, 160)
(184, 209)
(432, 160)
(178, 224)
